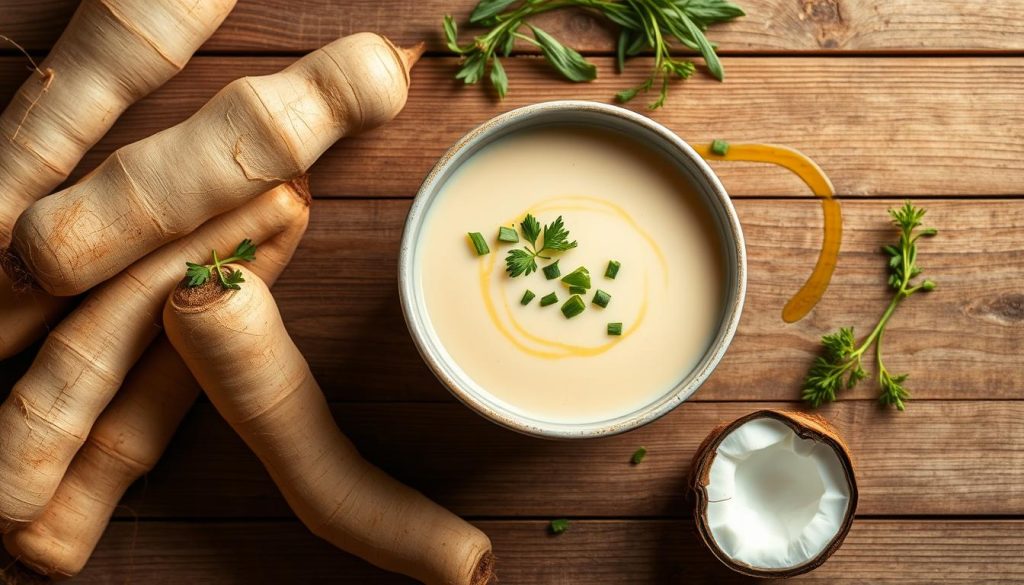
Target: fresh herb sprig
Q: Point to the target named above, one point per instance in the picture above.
(645, 25)
(200, 274)
(841, 365)
(524, 260)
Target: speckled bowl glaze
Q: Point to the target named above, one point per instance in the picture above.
(690, 165)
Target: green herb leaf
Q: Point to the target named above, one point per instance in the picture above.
(556, 237)
(638, 455)
(520, 261)
(558, 526)
(488, 9)
(841, 364)
(499, 80)
(246, 251)
(531, 229)
(645, 25)
(233, 279)
(579, 277)
(451, 35)
(197, 274)
(566, 61)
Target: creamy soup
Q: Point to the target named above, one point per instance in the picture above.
(620, 201)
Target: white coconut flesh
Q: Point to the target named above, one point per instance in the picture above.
(775, 500)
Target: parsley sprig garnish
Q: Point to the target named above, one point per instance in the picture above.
(841, 365)
(645, 25)
(200, 274)
(524, 260)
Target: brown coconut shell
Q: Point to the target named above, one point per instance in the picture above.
(806, 426)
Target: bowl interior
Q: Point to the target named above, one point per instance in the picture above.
(659, 138)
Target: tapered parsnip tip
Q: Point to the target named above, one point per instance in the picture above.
(412, 54)
(484, 573)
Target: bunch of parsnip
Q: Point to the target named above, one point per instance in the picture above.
(106, 390)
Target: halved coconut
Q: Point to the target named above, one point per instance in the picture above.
(775, 493)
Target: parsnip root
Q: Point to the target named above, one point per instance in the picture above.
(49, 412)
(261, 384)
(112, 53)
(254, 134)
(125, 443)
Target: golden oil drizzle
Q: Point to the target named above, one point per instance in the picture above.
(559, 349)
(810, 173)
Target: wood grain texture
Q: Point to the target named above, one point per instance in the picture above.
(878, 126)
(770, 25)
(937, 458)
(595, 552)
(339, 298)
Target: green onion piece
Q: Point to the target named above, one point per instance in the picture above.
(577, 290)
(479, 243)
(578, 277)
(615, 329)
(601, 298)
(574, 306)
(639, 455)
(613, 269)
(719, 147)
(551, 271)
(507, 234)
(527, 297)
(548, 300)
(559, 526)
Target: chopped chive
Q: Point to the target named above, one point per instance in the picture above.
(479, 243)
(548, 300)
(601, 298)
(527, 297)
(577, 290)
(574, 306)
(613, 269)
(559, 526)
(551, 271)
(507, 234)
(578, 277)
(638, 455)
(719, 147)
(615, 329)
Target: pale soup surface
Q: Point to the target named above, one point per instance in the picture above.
(620, 201)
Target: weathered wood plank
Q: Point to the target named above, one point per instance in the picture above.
(938, 457)
(770, 25)
(878, 126)
(340, 301)
(896, 552)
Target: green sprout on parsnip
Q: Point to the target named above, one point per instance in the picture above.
(200, 274)
(841, 365)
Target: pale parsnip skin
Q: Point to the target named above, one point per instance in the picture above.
(83, 361)
(238, 349)
(112, 53)
(254, 134)
(125, 443)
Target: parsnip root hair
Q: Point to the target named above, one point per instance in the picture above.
(80, 366)
(125, 443)
(254, 134)
(260, 383)
(112, 53)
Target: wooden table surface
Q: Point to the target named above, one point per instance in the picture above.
(894, 98)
